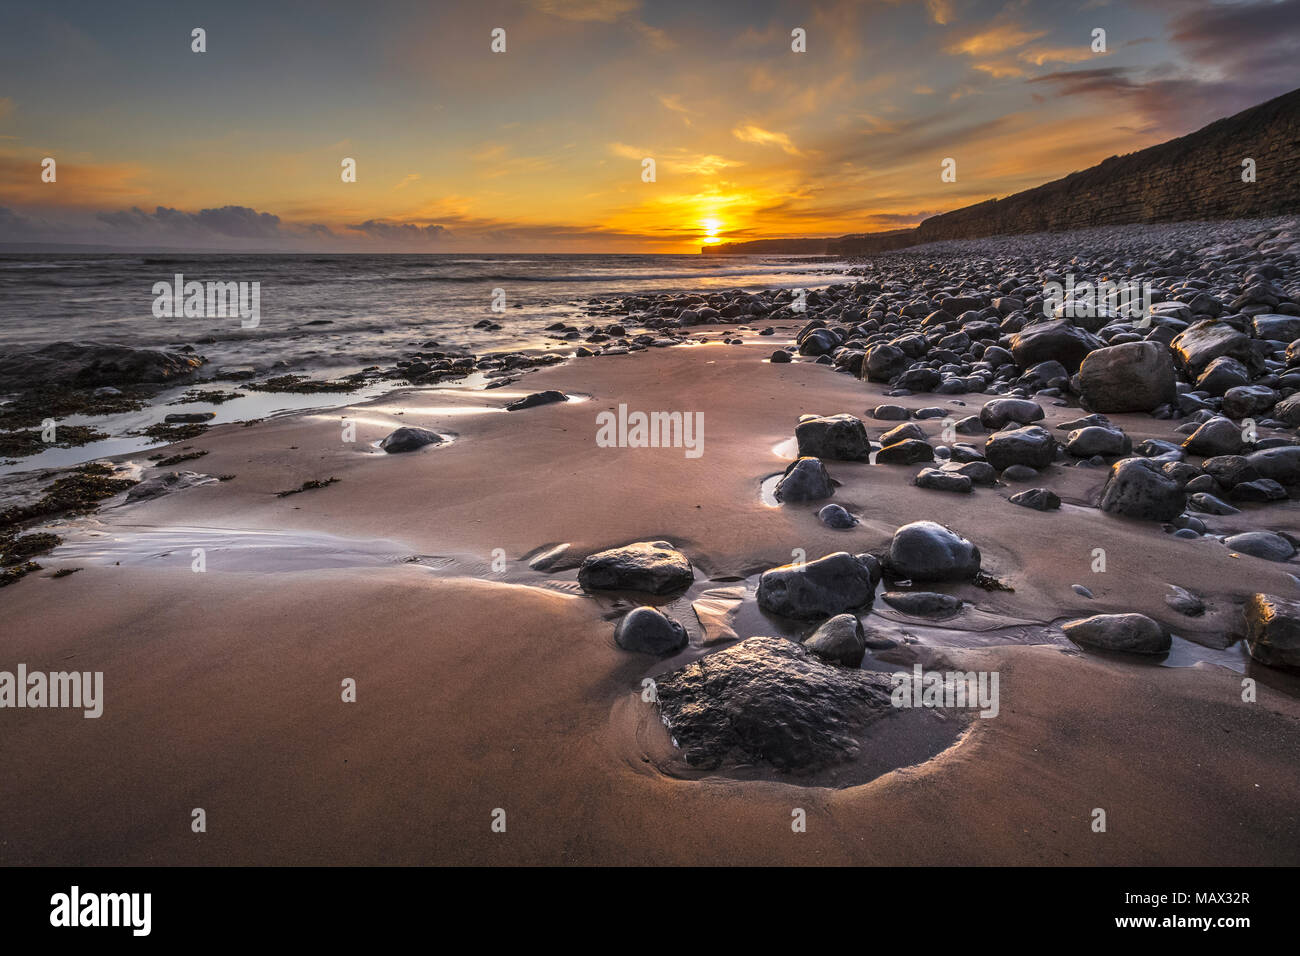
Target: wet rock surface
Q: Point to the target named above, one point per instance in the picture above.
(653, 567)
(409, 438)
(770, 701)
(830, 585)
(1133, 633)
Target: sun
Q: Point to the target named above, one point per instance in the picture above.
(710, 227)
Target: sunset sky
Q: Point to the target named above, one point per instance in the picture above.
(540, 149)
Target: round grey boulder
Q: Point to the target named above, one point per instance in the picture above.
(1262, 544)
(409, 439)
(653, 567)
(928, 551)
(1032, 445)
(840, 640)
(1137, 488)
(805, 479)
(1134, 633)
(647, 630)
(831, 585)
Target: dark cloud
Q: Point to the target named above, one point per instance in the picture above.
(234, 222)
(1244, 54)
(405, 232)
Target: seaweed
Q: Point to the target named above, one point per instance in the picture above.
(306, 486)
(76, 492)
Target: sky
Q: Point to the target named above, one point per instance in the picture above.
(541, 148)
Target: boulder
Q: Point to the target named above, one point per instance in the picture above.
(1137, 488)
(907, 452)
(409, 438)
(1003, 411)
(831, 585)
(1032, 446)
(1061, 341)
(840, 640)
(833, 437)
(1040, 499)
(1097, 440)
(805, 479)
(647, 630)
(1261, 544)
(929, 551)
(1199, 344)
(936, 479)
(1217, 436)
(922, 603)
(1133, 377)
(548, 397)
(1134, 633)
(769, 701)
(1281, 464)
(1273, 630)
(91, 364)
(653, 567)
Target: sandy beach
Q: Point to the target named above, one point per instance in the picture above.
(482, 687)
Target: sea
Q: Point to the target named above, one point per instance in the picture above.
(337, 311)
(330, 315)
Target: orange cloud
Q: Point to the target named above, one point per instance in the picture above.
(998, 39)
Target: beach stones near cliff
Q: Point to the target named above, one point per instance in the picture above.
(1138, 488)
(928, 551)
(189, 418)
(1097, 440)
(1223, 373)
(653, 567)
(935, 479)
(1281, 464)
(1040, 499)
(1003, 411)
(408, 438)
(647, 630)
(831, 585)
(1217, 436)
(906, 452)
(1273, 630)
(840, 640)
(922, 603)
(892, 413)
(1132, 377)
(1243, 401)
(1260, 544)
(834, 516)
(884, 362)
(548, 397)
(1060, 341)
(1133, 633)
(805, 479)
(1032, 446)
(91, 364)
(833, 437)
(769, 701)
(1202, 342)
(781, 357)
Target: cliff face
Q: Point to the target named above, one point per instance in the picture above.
(1194, 177)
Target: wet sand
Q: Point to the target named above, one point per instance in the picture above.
(481, 689)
